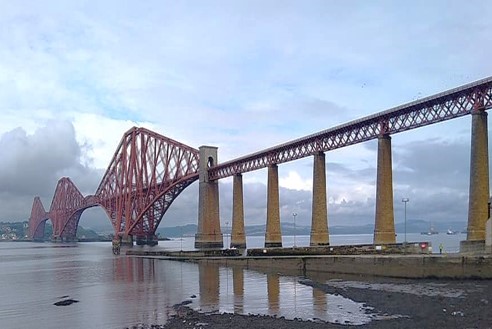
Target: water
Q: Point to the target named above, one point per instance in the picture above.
(451, 243)
(120, 291)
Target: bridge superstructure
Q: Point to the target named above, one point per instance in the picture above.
(146, 174)
(148, 171)
(444, 106)
(473, 98)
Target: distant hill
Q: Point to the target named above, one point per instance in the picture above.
(258, 230)
(19, 231)
(413, 226)
(177, 231)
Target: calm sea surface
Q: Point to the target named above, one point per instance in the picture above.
(120, 291)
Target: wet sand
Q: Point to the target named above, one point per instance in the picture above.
(392, 303)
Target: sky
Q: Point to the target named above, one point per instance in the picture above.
(242, 76)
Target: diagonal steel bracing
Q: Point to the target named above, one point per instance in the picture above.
(448, 105)
(147, 173)
(66, 207)
(37, 220)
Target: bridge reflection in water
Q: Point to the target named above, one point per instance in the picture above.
(121, 291)
(228, 290)
(237, 290)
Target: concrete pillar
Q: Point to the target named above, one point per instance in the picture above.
(209, 234)
(384, 228)
(273, 235)
(488, 233)
(319, 223)
(488, 236)
(238, 238)
(479, 177)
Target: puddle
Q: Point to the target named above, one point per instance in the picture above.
(345, 311)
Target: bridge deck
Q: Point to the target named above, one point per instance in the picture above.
(443, 106)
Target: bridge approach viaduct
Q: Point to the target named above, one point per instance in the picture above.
(148, 171)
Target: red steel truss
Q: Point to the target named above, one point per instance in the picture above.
(148, 171)
(440, 107)
(66, 207)
(37, 220)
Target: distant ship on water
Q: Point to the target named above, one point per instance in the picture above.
(451, 232)
(431, 231)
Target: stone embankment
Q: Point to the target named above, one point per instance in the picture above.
(361, 261)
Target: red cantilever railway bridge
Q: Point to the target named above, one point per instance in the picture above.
(148, 171)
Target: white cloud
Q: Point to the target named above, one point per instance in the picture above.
(293, 181)
(101, 136)
(244, 76)
(31, 164)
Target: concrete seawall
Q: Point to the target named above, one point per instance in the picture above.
(401, 266)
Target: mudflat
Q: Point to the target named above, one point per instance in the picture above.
(391, 303)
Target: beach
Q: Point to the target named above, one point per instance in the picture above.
(392, 303)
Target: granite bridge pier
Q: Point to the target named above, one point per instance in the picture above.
(148, 171)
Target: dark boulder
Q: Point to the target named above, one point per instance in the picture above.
(66, 302)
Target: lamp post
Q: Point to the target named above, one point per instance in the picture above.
(294, 214)
(405, 200)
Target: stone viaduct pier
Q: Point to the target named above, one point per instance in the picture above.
(474, 99)
(148, 171)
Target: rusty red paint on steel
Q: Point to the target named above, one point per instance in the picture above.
(448, 105)
(148, 170)
(66, 208)
(146, 174)
(38, 217)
